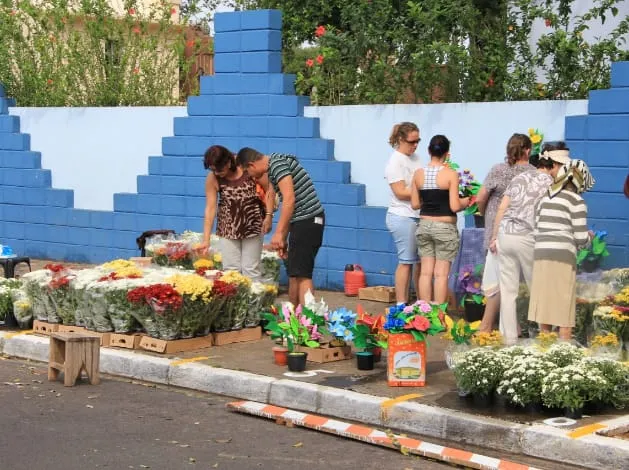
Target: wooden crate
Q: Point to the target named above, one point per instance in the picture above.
(177, 345)
(71, 329)
(237, 336)
(377, 294)
(105, 338)
(118, 340)
(327, 354)
(44, 328)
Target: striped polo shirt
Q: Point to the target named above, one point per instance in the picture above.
(307, 204)
(561, 227)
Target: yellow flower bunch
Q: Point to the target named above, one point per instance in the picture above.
(196, 287)
(493, 338)
(601, 341)
(536, 136)
(270, 289)
(128, 271)
(546, 339)
(218, 258)
(234, 277)
(203, 263)
(622, 298)
(23, 304)
(118, 264)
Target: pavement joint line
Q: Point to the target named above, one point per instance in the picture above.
(585, 430)
(18, 333)
(178, 362)
(408, 446)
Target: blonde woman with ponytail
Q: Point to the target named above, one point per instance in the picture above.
(401, 218)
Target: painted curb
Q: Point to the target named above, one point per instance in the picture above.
(592, 450)
(376, 437)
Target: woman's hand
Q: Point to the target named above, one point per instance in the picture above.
(493, 246)
(267, 223)
(465, 202)
(203, 247)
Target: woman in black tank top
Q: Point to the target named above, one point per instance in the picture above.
(435, 191)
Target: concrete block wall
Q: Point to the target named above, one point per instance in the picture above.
(601, 139)
(248, 102)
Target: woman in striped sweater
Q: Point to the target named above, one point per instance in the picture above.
(561, 229)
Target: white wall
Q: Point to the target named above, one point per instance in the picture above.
(478, 131)
(97, 151)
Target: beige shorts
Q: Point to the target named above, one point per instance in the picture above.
(438, 240)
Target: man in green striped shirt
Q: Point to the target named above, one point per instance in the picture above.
(302, 218)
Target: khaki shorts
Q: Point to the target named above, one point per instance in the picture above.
(438, 240)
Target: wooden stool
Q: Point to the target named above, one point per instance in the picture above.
(71, 353)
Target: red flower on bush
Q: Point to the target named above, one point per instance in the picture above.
(59, 282)
(173, 11)
(320, 31)
(132, 11)
(55, 268)
(162, 295)
(548, 23)
(223, 289)
(309, 63)
(136, 30)
(319, 59)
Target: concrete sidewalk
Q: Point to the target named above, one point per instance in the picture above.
(592, 450)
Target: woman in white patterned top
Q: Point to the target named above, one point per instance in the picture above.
(561, 229)
(512, 236)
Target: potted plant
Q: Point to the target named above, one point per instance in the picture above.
(340, 324)
(377, 334)
(460, 333)
(571, 387)
(408, 326)
(589, 259)
(469, 284)
(479, 372)
(368, 341)
(521, 382)
(299, 327)
(271, 322)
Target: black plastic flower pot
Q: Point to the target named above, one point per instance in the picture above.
(473, 311)
(365, 360)
(297, 361)
(9, 320)
(482, 401)
(589, 265)
(573, 413)
(479, 221)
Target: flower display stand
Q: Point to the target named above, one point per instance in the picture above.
(237, 336)
(326, 353)
(406, 365)
(44, 328)
(163, 346)
(118, 340)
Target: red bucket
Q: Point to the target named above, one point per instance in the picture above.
(354, 279)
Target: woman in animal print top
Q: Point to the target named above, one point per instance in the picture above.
(243, 217)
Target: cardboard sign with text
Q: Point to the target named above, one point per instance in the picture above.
(407, 361)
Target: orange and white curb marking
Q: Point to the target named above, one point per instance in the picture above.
(376, 437)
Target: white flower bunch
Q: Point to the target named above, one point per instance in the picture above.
(479, 370)
(572, 386)
(564, 354)
(603, 311)
(40, 277)
(269, 254)
(320, 308)
(84, 277)
(521, 383)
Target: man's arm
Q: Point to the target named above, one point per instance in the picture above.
(287, 189)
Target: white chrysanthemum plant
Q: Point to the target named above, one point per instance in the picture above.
(521, 383)
(573, 386)
(479, 371)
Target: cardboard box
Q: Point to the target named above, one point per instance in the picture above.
(177, 345)
(72, 329)
(44, 328)
(141, 261)
(105, 338)
(326, 353)
(237, 336)
(406, 365)
(118, 340)
(377, 294)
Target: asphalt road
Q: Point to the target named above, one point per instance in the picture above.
(125, 425)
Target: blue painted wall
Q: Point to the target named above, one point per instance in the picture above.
(249, 102)
(602, 139)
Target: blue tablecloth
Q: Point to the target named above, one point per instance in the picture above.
(470, 252)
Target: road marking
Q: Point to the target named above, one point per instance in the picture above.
(23, 332)
(360, 432)
(186, 361)
(394, 401)
(585, 430)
